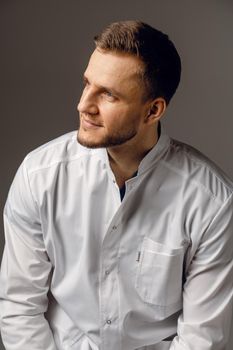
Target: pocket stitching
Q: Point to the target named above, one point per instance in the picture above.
(146, 296)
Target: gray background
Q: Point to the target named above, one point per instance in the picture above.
(45, 45)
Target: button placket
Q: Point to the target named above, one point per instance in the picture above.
(109, 285)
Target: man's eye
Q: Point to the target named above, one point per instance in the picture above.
(109, 95)
(85, 83)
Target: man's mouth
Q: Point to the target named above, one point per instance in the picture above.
(88, 124)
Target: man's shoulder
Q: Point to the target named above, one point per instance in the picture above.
(64, 148)
(198, 169)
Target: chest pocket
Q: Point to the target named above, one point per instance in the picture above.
(159, 273)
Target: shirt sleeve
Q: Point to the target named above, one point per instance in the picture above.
(208, 290)
(25, 272)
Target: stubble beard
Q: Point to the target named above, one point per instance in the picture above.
(115, 139)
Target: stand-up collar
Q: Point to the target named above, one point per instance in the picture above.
(156, 153)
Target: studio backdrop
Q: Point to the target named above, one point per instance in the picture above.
(45, 46)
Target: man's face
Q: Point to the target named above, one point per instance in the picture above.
(111, 107)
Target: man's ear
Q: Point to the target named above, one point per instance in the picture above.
(156, 110)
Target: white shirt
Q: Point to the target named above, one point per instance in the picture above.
(120, 275)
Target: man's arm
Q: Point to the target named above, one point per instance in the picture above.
(208, 290)
(25, 272)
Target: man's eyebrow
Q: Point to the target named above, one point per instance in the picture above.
(104, 88)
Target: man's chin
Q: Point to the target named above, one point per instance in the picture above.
(89, 143)
(113, 141)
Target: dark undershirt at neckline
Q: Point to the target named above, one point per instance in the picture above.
(123, 188)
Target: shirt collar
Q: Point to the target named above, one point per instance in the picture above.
(156, 153)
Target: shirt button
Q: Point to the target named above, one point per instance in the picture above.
(114, 227)
(109, 321)
(107, 272)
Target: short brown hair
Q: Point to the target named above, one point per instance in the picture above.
(162, 64)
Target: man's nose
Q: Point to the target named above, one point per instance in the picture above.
(87, 103)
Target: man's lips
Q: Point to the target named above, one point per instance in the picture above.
(89, 124)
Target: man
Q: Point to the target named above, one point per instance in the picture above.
(122, 240)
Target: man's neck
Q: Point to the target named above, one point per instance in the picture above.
(125, 159)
